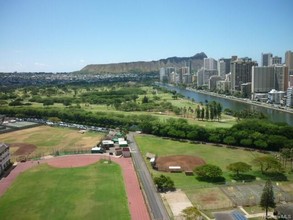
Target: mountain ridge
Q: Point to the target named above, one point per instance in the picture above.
(195, 62)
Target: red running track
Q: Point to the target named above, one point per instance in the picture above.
(136, 202)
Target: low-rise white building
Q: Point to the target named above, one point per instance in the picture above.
(275, 96)
(4, 157)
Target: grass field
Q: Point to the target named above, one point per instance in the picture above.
(48, 138)
(207, 196)
(219, 156)
(43, 192)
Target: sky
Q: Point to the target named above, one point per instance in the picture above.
(66, 35)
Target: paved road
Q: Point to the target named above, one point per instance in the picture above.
(155, 203)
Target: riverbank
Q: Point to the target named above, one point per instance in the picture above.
(246, 101)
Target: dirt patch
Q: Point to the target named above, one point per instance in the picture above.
(178, 201)
(186, 162)
(209, 198)
(23, 149)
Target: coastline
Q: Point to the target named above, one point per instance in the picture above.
(248, 101)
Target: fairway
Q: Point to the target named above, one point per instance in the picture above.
(47, 139)
(43, 192)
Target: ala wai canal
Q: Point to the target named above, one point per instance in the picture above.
(272, 114)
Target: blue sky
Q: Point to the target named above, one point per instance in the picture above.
(66, 35)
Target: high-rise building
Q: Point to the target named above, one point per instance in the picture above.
(289, 61)
(266, 78)
(241, 72)
(209, 64)
(281, 78)
(221, 68)
(266, 59)
(162, 74)
(277, 60)
(262, 79)
(200, 76)
(204, 75)
(224, 66)
(290, 80)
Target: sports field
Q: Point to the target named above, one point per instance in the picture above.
(48, 139)
(43, 192)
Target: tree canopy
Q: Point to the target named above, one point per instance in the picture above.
(191, 213)
(239, 167)
(208, 172)
(164, 183)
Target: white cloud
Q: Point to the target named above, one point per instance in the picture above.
(40, 64)
(81, 60)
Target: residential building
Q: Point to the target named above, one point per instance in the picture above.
(241, 72)
(221, 68)
(246, 90)
(289, 61)
(223, 86)
(163, 77)
(181, 72)
(200, 76)
(264, 79)
(187, 79)
(4, 157)
(266, 59)
(290, 80)
(213, 82)
(277, 60)
(289, 101)
(167, 74)
(281, 77)
(224, 66)
(209, 64)
(204, 75)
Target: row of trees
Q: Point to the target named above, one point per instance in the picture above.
(268, 165)
(257, 134)
(211, 111)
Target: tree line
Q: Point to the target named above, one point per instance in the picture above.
(249, 133)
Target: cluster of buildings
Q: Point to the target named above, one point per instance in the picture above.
(17, 79)
(115, 144)
(272, 82)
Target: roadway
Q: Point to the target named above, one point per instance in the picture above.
(154, 201)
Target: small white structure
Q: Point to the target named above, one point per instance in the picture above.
(175, 168)
(97, 150)
(123, 143)
(275, 96)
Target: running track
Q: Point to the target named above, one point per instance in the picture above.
(136, 202)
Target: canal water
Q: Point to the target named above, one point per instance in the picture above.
(272, 114)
